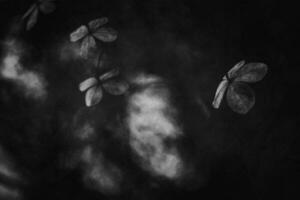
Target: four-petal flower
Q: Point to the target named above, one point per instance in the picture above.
(94, 87)
(88, 34)
(240, 97)
(45, 6)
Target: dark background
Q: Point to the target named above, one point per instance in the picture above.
(192, 44)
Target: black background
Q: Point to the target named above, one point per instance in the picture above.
(192, 44)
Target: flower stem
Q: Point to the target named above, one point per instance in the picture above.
(99, 58)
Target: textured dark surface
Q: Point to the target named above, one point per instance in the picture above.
(192, 44)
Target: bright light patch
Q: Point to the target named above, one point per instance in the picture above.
(144, 79)
(85, 132)
(150, 125)
(32, 83)
(6, 192)
(11, 67)
(6, 171)
(68, 51)
(6, 167)
(103, 178)
(167, 163)
(99, 173)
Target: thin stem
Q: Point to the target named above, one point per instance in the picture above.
(99, 58)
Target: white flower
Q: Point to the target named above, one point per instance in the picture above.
(94, 87)
(88, 33)
(240, 97)
(45, 6)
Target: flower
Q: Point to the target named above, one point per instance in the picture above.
(45, 6)
(94, 87)
(240, 97)
(88, 34)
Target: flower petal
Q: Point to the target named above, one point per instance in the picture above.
(29, 11)
(220, 93)
(84, 85)
(87, 44)
(108, 75)
(252, 72)
(233, 72)
(78, 33)
(96, 23)
(116, 87)
(240, 97)
(106, 34)
(47, 6)
(93, 96)
(32, 19)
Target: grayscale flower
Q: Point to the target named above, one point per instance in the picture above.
(44, 6)
(240, 97)
(88, 34)
(94, 87)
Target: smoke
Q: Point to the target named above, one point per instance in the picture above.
(151, 121)
(6, 167)
(7, 172)
(68, 51)
(30, 82)
(85, 132)
(8, 193)
(99, 173)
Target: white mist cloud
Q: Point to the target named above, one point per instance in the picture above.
(145, 79)
(99, 173)
(11, 67)
(6, 166)
(8, 172)
(32, 83)
(8, 193)
(5, 170)
(85, 132)
(69, 50)
(150, 124)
